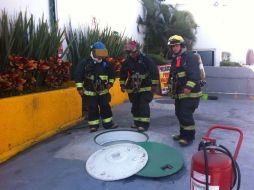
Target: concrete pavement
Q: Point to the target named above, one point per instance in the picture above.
(59, 162)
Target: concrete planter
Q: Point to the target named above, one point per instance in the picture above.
(230, 80)
(26, 120)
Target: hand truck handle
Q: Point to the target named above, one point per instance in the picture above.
(231, 129)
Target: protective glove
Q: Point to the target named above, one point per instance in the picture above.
(154, 88)
(202, 83)
(186, 91)
(80, 91)
(123, 88)
(108, 86)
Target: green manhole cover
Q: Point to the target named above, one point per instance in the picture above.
(163, 160)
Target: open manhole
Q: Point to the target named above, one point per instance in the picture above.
(119, 136)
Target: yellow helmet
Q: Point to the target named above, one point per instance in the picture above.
(173, 40)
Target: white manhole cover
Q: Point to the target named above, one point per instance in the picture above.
(116, 161)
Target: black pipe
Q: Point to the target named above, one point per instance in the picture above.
(206, 167)
(203, 145)
(235, 167)
(52, 12)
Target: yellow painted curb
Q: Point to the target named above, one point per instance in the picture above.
(28, 119)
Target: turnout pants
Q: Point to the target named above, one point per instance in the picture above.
(140, 108)
(84, 106)
(184, 109)
(99, 108)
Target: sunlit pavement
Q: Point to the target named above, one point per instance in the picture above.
(59, 162)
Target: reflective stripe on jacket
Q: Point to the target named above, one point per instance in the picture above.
(94, 77)
(138, 75)
(185, 75)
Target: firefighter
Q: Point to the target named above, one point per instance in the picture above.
(184, 88)
(94, 77)
(139, 78)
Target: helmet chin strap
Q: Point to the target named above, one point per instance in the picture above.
(97, 60)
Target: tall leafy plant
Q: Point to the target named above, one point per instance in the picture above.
(80, 40)
(114, 42)
(6, 40)
(46, 40)
(161, 21)
(183, 24)
(21, 36)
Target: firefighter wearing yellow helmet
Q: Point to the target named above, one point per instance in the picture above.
(184, 88)
(138, 77)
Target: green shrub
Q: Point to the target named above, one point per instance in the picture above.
(230, 64)
(29, 59)
(158, 59)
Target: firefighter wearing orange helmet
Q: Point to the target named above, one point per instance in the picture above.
(139, 78)
(184, 88)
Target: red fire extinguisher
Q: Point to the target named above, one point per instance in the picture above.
(213, 167)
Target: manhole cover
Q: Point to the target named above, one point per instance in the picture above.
(163, 160)
(116, 162)
(120, 136)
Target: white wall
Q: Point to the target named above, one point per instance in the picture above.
(35, 7)
(120, 15)
(226, 25)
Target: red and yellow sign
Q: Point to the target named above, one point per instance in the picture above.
(164, 76)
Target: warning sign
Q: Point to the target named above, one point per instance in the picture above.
(164, 75)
